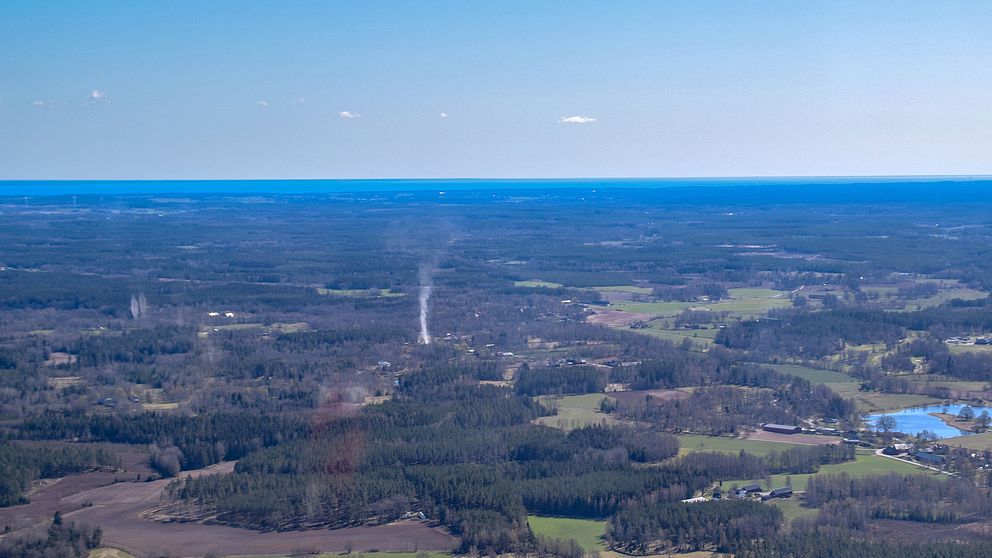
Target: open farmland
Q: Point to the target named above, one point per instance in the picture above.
(864, 465)
(801, 439)
(813, 375)
(980, 442)
(691, 442)
(588, 533)
(125, 509)
(653, 309)
(868, 401)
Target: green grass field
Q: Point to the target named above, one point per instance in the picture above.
(979, 442)
(587, 532)
(691, 442)
(792, 508)
(749, 307)
(862, 466)
(745, 303)
(869, 402)
(575, 411)
(945, 296)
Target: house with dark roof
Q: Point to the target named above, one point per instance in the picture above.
(748, 489)
(781, 428)
(783, 492)
(928, 458)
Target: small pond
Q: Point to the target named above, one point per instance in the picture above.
(918, 419)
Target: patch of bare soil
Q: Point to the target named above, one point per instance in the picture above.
(616, 318)
(803, 439)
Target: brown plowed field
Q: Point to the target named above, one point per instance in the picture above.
(616, 318)
(119, 509)
(52, 495)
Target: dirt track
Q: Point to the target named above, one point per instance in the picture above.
(118, 510)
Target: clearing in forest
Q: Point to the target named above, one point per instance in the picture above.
(587, 532)
(576, 411)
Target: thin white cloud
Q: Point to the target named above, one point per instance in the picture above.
(50, 104)
(98, 96)
(577, 119)
(443, 115)
(349, 114)
(262, 104)
(299, 100)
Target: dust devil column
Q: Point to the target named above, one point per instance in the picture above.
(426, 284)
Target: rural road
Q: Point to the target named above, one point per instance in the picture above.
(879, 453)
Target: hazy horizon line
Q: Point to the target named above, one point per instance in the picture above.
(276, 186)
(519, 178)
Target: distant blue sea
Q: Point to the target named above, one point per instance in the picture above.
(145, 187)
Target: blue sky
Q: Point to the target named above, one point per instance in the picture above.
(419, 88)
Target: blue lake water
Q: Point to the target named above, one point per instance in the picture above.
(916, 420)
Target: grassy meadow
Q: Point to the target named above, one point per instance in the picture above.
(587, 532)
(575, 411)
